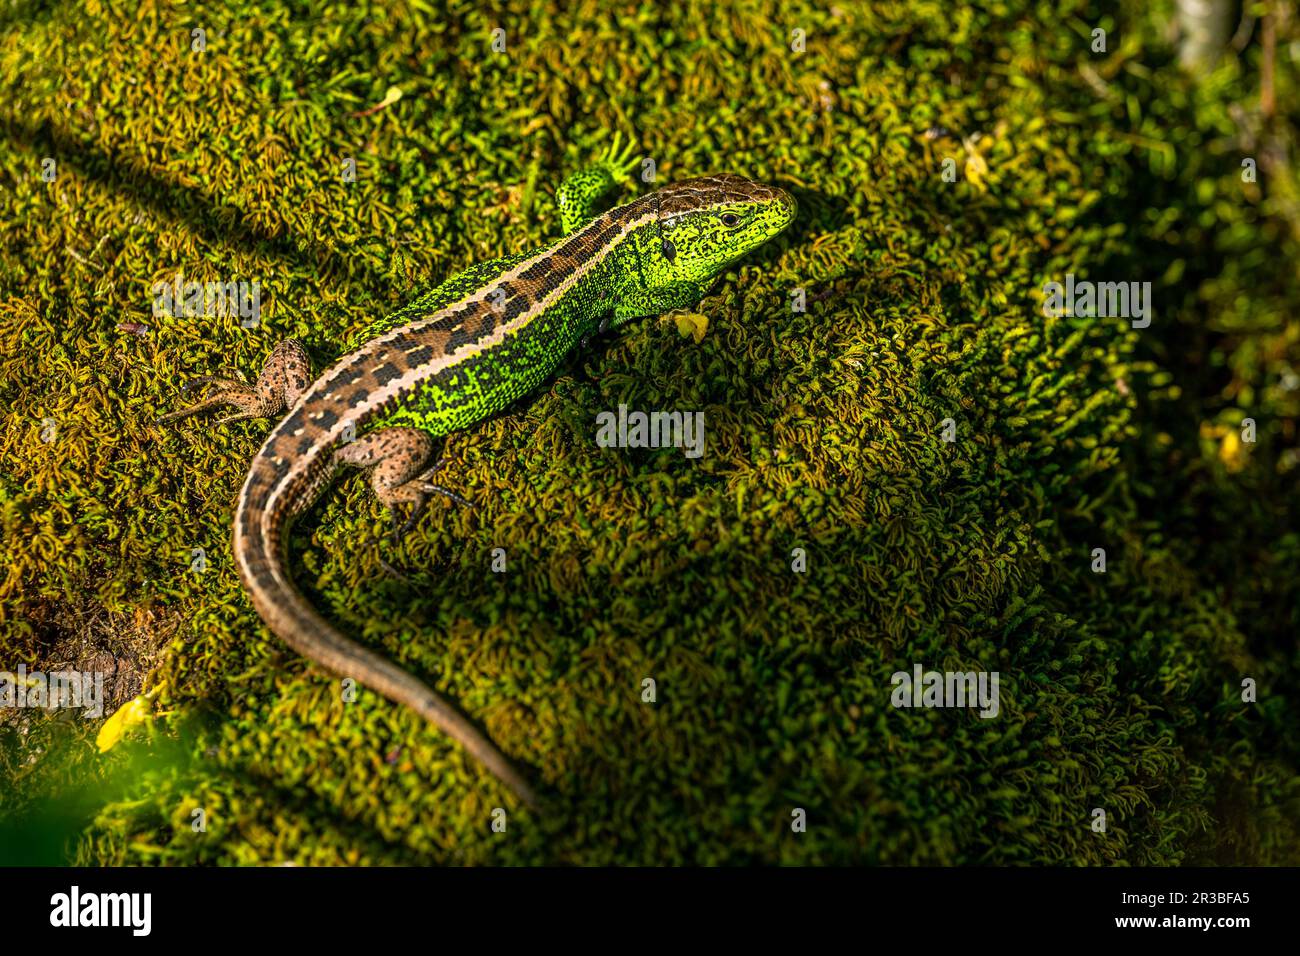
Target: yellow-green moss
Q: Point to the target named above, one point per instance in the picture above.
(1119, 691)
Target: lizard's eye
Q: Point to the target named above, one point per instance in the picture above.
(730, 219)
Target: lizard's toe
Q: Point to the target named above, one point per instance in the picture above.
(221, 380)
(430, 488)
(244, 399)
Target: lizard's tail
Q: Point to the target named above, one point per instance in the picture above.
(259, 552)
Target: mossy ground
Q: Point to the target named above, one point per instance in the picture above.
(1119, 691)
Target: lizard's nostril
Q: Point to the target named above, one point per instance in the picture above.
(786, 203)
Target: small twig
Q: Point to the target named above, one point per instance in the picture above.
(84, 261)
(392, 96)
(1245, 29)
(1269, 37)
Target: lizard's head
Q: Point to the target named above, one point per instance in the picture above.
(706, 224)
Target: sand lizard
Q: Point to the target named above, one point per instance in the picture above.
(454, 356)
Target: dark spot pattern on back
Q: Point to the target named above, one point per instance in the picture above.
(420, 355)
(539, 270)
(427, 337)
(388, 372)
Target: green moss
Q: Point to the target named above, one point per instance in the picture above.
(1119, 691)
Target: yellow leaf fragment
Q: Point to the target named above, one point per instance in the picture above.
(1231, 451)
(130, 714)
(976, 170)
(692, 324)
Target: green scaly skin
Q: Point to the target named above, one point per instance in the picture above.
(453, 357)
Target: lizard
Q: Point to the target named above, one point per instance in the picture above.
(454, 356)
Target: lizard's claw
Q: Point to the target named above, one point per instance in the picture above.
(430, 488)
(224, 381)
(402, 528)
(426, 486)
(621, 158)
(421, 488)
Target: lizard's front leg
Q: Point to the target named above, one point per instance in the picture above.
(284, 377)
(643, 302)
(578, 195)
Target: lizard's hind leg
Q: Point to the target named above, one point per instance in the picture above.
(284, 377)
(398, 456)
